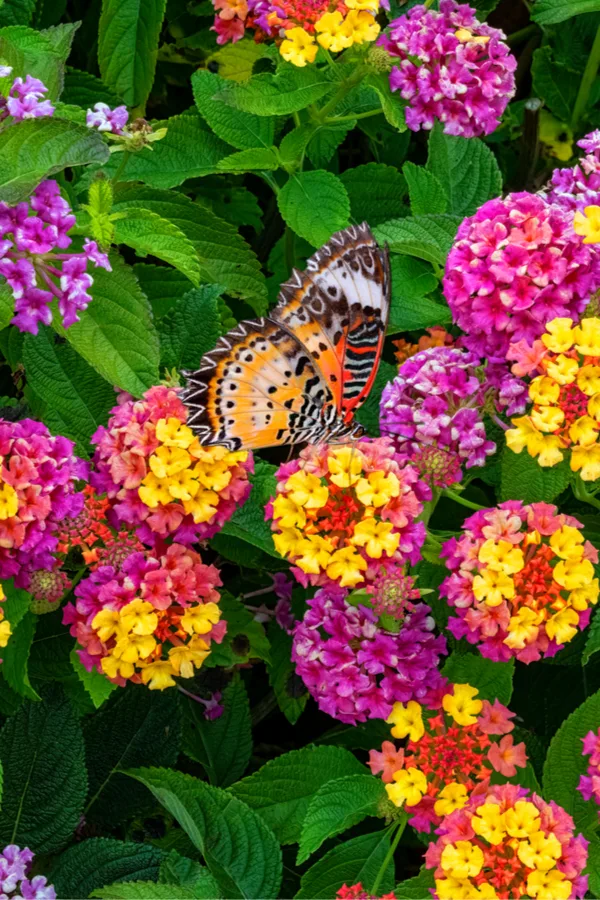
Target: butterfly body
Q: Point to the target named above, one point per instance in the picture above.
(299, 374)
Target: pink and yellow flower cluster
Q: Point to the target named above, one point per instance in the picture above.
(522, 580)
(160, 479)
(343, 514)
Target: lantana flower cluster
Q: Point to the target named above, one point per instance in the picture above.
(505, 843)
(31, 234)
(522, 580)
(355, 668)
(159, 479)
(515, 265)
(448, 757)
(358, 892)
(564, 367)
(589, 784)
(26, 98)
(452, 68)
(15, 866)
(149, 621)
(579, 186)
(433, 411)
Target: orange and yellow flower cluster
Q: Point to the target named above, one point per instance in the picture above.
(343, 514)
(334, 31)
(565, 392)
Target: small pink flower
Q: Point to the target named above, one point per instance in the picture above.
(388, 761)
(495, 718)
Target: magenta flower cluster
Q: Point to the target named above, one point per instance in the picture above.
(30, 234)
(452, 68)
(355, 669)
(15, 865)
(433, 412)
(515, 265)
(106, 119)
(589, 785)
(26, 98)
(579, 186)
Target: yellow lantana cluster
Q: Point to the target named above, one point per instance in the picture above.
(334, 32)
(5, 631)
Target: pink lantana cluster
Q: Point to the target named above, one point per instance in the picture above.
(577, 187)
(149, 621)
(515, 265)
(589, 785)
(25, 99)
(433, 410)
(159, 479)
(38, 490)
(31, 233)
(452, 68)
(356, 669)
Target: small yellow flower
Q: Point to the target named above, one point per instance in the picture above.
(377, 489)
(372, 5)
(587, 337)
(559, 336)
(547, 448)
(287, 540)
(581, 598)
(288, 513)
(523, 628)
(550, 885)
(167, 461)
(502, 556)
(467, 37)
(492, 587)
(133, 647)
(346, 566)
(489, 823)
(522, 820)
(298, 47)
(567, 542)
(333, 35)
(107, 623)
(588, 380)
(201, 618)
(408, 788)
(593, 407)
(313, 554)
(361, 26)
(563, 369)
(185, 659)
(202, 507)
(213, 477)
(462, 859)
(584, 431)
(587, 224)
(306, 490)
(587, 461)
(183, 485)
(173, 433)
(521, 435)
(540, 852)
(455, 889)
(376, 538)
(572, 573)
(5, 632)
(547, 418)
(154, 491)
(543, 390)
(116, 668)
(453, 796)
(407, 720)
(562, 627)
(462, 705)
(345, 464)
(138, 616)
(9, 501)
(158, 675)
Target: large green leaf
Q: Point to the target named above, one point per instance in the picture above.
(260, 159)
(149, 234)
(41, 750)
(242, 130)
(15, 663)
(286, 92)
(426, 237)
(248, 522)
(466, 169)
(162, 286)
(425, 190)
(96, 684)
(493, 680)
(191, 328)
(416, 888)
(551, 12)
(32, 52)
(37, 148)
(144, 890)
(84, 89)
(314, 205)
(282, 790)
(410, 309)
(17, 12)
(238, 847)
(522, 478)
(127, 46)
(358, 859)
(288, 687)
(245, 638)
(91, 864)
(556, 85)
(376, 192)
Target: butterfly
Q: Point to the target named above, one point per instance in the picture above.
(299, 374)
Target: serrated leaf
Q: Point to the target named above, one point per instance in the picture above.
(242, 130)
(260, 159)
(592, 868)
(416, 888)
(116, 335)
(314, 205)
(177, 869)
(282, 790)
(337, 806)
(162, 286)
(127, 46)
(556, 85)
(17, 602)
(248, 522)
(426, 237)
(466, 169)
(236, 61)
(376, 192)
(37, 148)
(91, 864)
(245, 638)
(286, 92)
(592, 644)
(137, 727)
(410, 309)
(358, 859)
(391, 104)
(565, 764)
(148, 233)
(17, 12)
(143, 890)
(7, 305)
(84, 89)
(43, 792)
(551, 12)
(15, 657)
(294, 143)
(325, 141)
(289, 689)
(191, 328)
(493, 680)
(522, 477)
(31, 52)
(426, 192)
(239, 849)
(96, 685)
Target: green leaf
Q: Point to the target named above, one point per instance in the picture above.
(426, 237)
(31, 52)
(127, 46)
(260, 159)
(522, 477)
(593, 867)
(225, 257)
(150, 234)
(286, 92)
(17, 12)
(91, 864)
(248, 522)
(325, 142)
(425, 190)
(551, 12)
(358, 859)
(493, 680)
(245, 638)
(177, 869)
(410, 309)
(77, 399)
(466, 169)
(15, 659)
(37, 148)
(368, 414)
(84, 89)
(191, 328)
(137, 727)
(162, 286)
(17, 603)
(43, 791)
(242, 130)
(337, 806)
(282, 790)
(565, 764)
(7, 305)
(116, 335)
(592, 644)
(314, 205)
(96, 685)
(289, 689)
(236, 61)
(239, 849)
(223, 746)
(556, 85)
(391, 104)
(143, 890)
(416, 888)
(376, 192)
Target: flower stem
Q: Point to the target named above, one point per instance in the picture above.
(517, 37)
(365, 115)
(452, 495)
(121, 168)
(581, 493)
(390, 854)
(344, 88)
(587, 80)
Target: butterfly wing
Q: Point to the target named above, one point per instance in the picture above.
(259, 387)
(338, 308)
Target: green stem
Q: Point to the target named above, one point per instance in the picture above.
(390, 854)
(266, 176)
(289, 246)
(452, 495)
(517, 37)
(430, 505)
(334, 119)
(587, 80)
(121, 168)
(344, 88)
(582, 493)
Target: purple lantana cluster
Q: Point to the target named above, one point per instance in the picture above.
(516, 265)
(589, 785)
(106, 119)
(577, 187)
(15, 865)
(433, 411)
(31, 233)
(26, 98)
(355, 668)
(452, 68)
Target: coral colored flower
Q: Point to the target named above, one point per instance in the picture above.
(447, 758)
(346, 514)
(522, 581)
(515, 265)
(589, 784)
(159, 479)
(437, 336)
(452, 68)
(355, 668)
(358, 892)
(15, 866)
(433, 410)
(507, 842)
(151, 620)
(577, 187)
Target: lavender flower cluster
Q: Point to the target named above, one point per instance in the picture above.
(15, 865)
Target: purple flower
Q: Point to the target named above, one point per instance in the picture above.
(14, 868)
(104, 118)
(589, 785)
(26, 99)
(355, 668)
(579, 186)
